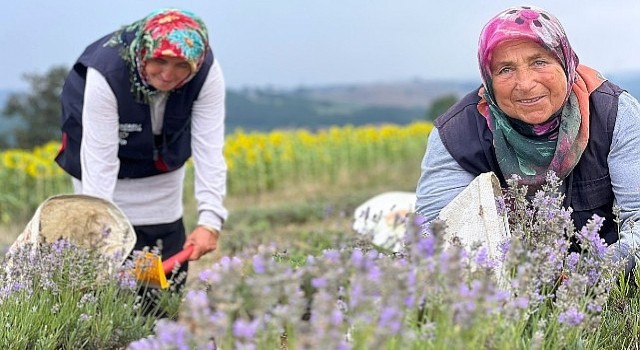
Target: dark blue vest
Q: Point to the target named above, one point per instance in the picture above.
(140, 153)
(465, 134)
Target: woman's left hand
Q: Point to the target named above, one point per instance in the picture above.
(204, 240)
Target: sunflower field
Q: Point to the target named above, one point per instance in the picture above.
(257, 162)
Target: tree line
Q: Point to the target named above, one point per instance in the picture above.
(38, 109)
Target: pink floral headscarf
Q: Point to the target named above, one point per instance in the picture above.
(530, 151)
(526, 22)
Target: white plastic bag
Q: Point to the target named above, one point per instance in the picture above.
(383, 217)
(473, 218)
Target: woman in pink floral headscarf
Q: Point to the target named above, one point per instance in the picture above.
(539, 110)
(137, 104)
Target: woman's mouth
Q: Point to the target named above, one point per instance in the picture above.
(530, 100)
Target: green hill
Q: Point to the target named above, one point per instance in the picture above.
(266, 110)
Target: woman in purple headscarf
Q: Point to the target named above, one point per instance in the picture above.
(136, 106)
(539, 110)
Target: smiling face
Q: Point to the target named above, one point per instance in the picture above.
(528, 82)
(166, 73)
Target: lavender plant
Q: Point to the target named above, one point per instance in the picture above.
(61, 296)
(426, 297)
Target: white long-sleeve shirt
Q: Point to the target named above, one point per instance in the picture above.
(155, 199)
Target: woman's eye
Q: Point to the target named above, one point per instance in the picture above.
(504, 70)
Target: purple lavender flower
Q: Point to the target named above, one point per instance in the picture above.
(390, 319)
(127, 280)
(47, 284)
(60, 246)
(245, 329)
(426, 246)
(5, 292)
(520, 302)
(374, 274)
(344, 346)
(356, 295)
(332, 255)
(593, 275)
(542, 200)
(337, 317)
(197, 299)
(501, 205)
(17, 286)
(594, 307)
(172, 335)
(419, 220)
(499, 296)
(227, 263)
(572, 261)
(482, 258)
(144, 344)
(572, 317)
(589, 235)
(259, 264)
(565, 214)
(503, 248)
(357, 257)
(87, 298)
(409, 301)
(311, 260)
(412, 278)
(319, 282)
(528, 212)
(210, 276)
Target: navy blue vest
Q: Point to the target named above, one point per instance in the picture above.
(465, 134)
(140, 153)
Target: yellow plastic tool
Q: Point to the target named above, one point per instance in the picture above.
(151, 271)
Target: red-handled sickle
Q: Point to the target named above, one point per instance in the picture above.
(178, 258)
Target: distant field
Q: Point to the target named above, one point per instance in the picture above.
(313, 107)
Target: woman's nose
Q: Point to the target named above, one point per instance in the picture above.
(525, 79)
(167, 73)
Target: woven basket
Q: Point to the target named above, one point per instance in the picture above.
(87, 221)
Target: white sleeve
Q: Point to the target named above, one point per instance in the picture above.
(207, 141)
(624, 166)
(100, 141)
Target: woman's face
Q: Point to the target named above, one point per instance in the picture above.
(165, 73)
(528, 82)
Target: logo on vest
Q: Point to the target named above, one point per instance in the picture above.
(127, 128)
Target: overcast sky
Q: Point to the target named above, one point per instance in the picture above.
(289, 43)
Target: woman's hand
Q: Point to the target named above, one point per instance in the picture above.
(204, 240)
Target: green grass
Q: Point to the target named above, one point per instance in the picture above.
(305, 219)
(302, 218)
